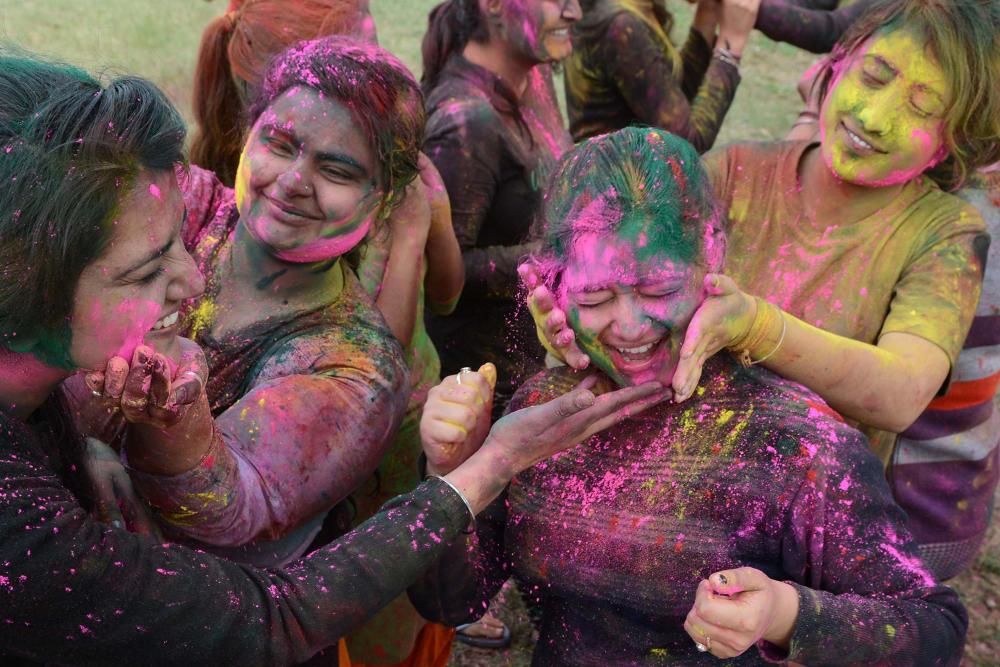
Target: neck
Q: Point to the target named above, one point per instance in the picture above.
(827, 197)
(25, 382)
(493, 56)
(270, 279)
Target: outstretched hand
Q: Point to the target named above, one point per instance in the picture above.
(116, 502)
(724, 316)
(533, 434)
(551, 326)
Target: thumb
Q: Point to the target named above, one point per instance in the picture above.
(717, 284)
(489, 371)
(739, 580)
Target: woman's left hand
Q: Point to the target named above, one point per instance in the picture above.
(735, 609)
(724, 316)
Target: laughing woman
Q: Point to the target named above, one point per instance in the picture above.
(91, 220)
(755, 502)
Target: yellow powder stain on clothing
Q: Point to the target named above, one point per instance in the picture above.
(890, 632)
(659, 652)
(724, 417)
(202, 317)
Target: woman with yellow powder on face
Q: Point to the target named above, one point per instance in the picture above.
(861, 273)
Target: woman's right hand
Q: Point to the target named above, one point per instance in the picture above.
(153, 389)
(527, 436)
(738, 19)
(551, 327)
(456, 418)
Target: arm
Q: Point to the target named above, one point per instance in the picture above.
(292, 446)
(645, 77)
(864, 595)
(445, 269)
(122, 598)
(809, 29)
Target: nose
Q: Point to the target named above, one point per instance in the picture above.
(571, 11)
(187, 281)
(294, 182)
(631, 322)
(878, 110)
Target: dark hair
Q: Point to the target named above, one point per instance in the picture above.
(450, 26)
(238, 46)
(964, 37)
(72, 149)
(382, 95)
(633, 176)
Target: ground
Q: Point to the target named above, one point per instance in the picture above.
(159, 39)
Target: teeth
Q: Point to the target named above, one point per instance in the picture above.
(167, 321)
(637, 350)
(561, 32)
(859, 142)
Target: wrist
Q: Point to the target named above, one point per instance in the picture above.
(786, 613)
(733, 44)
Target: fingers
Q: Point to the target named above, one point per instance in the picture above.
(628, 406)
(115, 374)
(529, 276)
(720, 642)
(192, 375)
(489, 373)
(462, 416)
(731, 582)
(134, 398)
(133, 508)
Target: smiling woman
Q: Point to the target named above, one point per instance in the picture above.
(751, 523)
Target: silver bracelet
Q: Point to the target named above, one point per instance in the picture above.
(468, 506)
(726, 56)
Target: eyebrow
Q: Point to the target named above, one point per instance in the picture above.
(923, 87)
(322, 156)
(156, 254)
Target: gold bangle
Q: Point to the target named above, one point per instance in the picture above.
(761, 330)
(781, 339)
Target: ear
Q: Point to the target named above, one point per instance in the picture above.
(714, 248)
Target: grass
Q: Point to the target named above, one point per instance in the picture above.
(159, 39)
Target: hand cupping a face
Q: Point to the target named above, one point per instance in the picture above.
(152, 389)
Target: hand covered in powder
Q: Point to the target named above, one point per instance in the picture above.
(530, 435)
(116, 502)
(735, 609)
(551, 327)
(153, 389)
(724, 316)
(456, 418)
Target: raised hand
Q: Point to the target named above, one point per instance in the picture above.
(724, 316)
(551, 326)
(152, 389)
(456, 418)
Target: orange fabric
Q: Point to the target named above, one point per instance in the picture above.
(967, 394)
(432, 649)
(343, 659)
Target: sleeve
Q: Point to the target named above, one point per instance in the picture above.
(696, 56)
(813, 30)
(75, 592)
(291, 447)
(204, 198)
(937, 294)
(466, 146)
(459, 586)
(865, 597)
(645, 77)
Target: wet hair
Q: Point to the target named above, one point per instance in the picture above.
(964, 38)
(72, 149)
(639, 180)
(374, 85)
(235, 51)
(450, 26)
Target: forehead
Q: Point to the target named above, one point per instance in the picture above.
(600, 260)
(322, 122)
(148, 217)
(909, 56)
